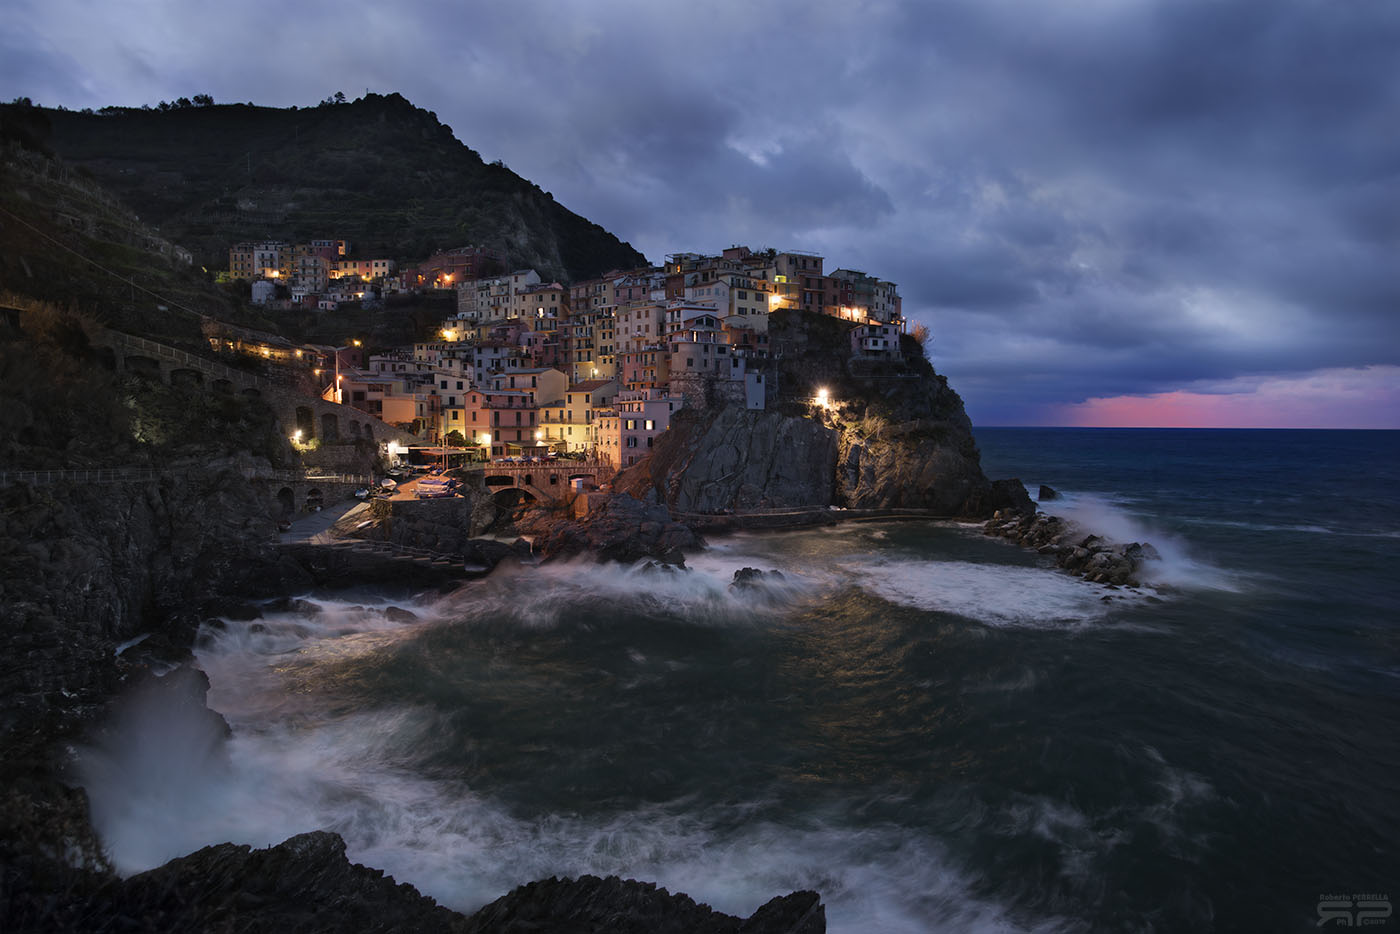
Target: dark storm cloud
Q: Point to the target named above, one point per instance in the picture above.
(1082, 198)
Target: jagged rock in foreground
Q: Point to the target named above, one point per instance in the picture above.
(1076, 550)
(618, 906)
(617, 527)
(307, 885)
(304, 884)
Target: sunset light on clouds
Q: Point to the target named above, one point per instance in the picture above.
(1337, 398)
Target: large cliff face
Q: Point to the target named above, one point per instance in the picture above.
(893, 435)
(85, 565)
(735, 459)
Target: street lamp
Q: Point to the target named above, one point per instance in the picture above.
(339, 396)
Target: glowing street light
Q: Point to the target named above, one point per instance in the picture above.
(823, 398)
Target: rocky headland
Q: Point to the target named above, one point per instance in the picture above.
(892, 434)
(1074, 548)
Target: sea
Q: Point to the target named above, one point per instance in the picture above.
(934, 729)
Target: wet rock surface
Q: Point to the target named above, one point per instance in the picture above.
(1075, 549)
(590, 904)
(617, 527)
(308, 885)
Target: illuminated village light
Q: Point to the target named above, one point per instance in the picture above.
(823, 398)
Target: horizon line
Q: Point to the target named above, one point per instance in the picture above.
(976, 426)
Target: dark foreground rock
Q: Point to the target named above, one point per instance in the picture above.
(619, 906)
(1074, 549)
(54, 876)
(616, 527)
(307, 885)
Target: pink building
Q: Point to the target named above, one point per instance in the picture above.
(509, 417)
(628, 431)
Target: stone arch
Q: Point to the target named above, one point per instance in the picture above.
(222, 386)
(512, 496)
(354, 428)
(498, 481)
(314, 498)
(306, 422)
(187, 378)
(330, 427)
(369, 431)
(286, 501)
(147, 367)
(252, 393)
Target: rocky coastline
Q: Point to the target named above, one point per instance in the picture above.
(1075, 549)
(104, 587)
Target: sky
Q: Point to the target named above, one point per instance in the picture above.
(1108, 212)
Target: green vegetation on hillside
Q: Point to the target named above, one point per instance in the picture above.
(379, 172)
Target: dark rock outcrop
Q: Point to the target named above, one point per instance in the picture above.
(87, 568)
(616, 527)
(734, 459)
(617, 906)
(886, 440)
(1088, 555)
(306, 884)
(1047, 493)
(747, 578)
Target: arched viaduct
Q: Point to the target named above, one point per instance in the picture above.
(314, 417)
(541, 481)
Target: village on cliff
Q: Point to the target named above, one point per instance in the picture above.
(528, 368)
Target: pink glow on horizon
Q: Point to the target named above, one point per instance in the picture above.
(1334, 398)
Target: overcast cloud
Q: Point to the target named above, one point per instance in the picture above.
(1084, 199)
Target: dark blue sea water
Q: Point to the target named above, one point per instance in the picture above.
(934, 729)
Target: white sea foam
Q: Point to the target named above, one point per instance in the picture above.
(253, 659)
(164, 782)
(1178, 567)
(995, 594)
(157, 799)
(551, 593)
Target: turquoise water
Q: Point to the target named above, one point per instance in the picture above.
(934, 729)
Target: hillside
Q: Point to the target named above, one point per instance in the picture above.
(379, 172)
(66, 240)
